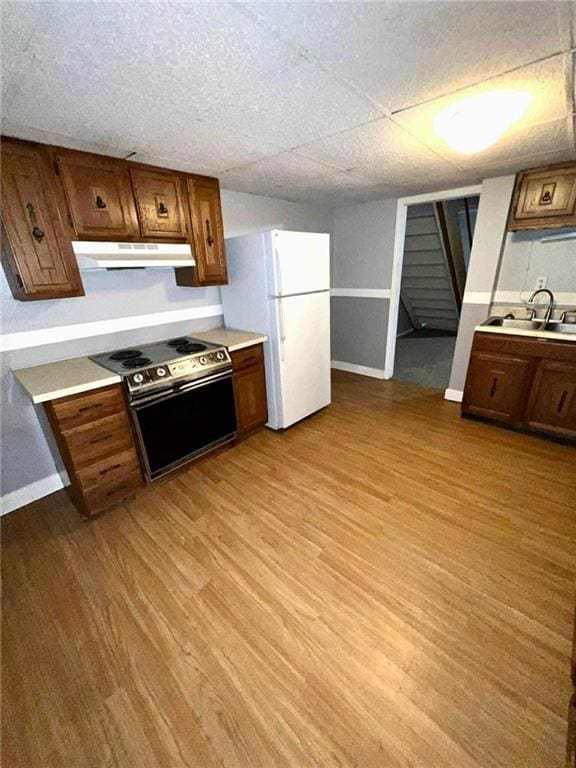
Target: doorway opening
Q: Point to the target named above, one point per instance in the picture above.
(436, 253)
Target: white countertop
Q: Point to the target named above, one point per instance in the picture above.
(525, 332)
(231, 338)
(66, 377)
(80, 374)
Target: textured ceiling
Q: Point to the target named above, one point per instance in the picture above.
(327, 101)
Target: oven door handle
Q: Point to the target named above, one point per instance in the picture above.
(179, 389)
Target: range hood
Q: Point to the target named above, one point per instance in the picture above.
(98, 255)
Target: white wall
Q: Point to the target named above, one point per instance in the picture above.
(525, 258)
(244, 213)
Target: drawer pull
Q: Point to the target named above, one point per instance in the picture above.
(109, 469)
(89, 407)
(115, 490)
(494, 387)
(562, 401)
(101, 439)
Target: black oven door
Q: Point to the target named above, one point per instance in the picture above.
(185, 422)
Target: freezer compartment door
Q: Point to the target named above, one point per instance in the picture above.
(301, 352)
(300, 263)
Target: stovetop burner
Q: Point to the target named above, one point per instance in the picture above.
(189, 348)
(155, 366)
(126, 354)
(137, 362)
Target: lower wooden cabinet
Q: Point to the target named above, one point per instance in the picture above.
(526, 382)
(94, 434)
(496, 386)
(250, 389)
(552, 405)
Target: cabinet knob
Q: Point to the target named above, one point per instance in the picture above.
(494, 387)
(562, 401)
(209, 239)
(37, 233)
(100, 203)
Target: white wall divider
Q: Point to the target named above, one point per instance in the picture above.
(41, 336)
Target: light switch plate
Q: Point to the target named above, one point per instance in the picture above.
(541, 282)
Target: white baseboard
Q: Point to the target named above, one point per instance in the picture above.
(22, 496)
(455, 395)
(363, 370)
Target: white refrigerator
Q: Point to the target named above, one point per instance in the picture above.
(279, 285)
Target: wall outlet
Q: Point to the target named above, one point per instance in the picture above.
(541, 282)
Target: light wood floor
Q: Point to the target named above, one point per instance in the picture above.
(383, 586)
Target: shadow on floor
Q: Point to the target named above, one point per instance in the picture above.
(425, 357)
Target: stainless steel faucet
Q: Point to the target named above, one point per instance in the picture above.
(549, 309)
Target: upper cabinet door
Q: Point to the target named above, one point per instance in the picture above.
(206, 214)
(37, 255)
(544, 197)
(159, 201)
(99, 196)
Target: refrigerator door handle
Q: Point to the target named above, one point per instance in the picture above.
(282, 328)
(278, 272)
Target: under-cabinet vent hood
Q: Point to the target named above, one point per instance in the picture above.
(97, 255)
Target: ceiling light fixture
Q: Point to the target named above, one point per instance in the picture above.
(477, 122)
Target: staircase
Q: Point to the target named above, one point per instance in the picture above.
(426, 289)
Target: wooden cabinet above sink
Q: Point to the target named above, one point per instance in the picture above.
(544, 197)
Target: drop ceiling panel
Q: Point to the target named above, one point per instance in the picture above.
(546, 81)
(382, 149)
(405, 53)
(207, 60)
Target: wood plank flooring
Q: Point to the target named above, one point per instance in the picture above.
(385, 585)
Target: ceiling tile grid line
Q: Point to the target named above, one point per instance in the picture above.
(483, 81)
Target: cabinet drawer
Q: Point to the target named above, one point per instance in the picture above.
(248, 357)
(98, 439)
(109, 471)
(99, 497)
(75, 410)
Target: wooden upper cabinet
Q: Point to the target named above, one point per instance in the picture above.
(208, 234)
(552, 404)
(544, 197)
(159, 199)
(36, 254)
(99, 196)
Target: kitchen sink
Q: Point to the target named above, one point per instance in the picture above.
(531, 325)
(562, 327)
(508, 322)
